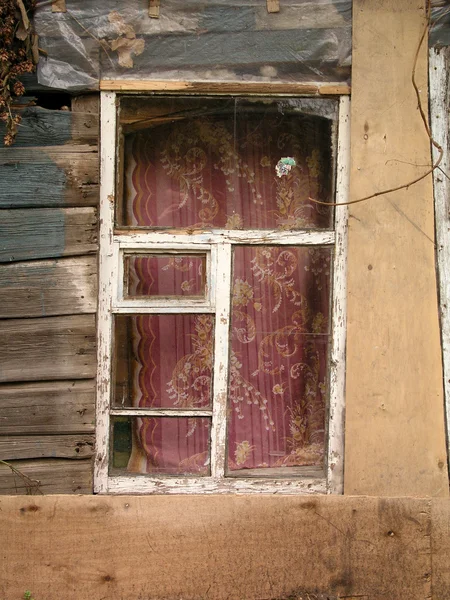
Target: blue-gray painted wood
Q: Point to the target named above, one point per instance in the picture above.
(42, 127)
(51, 176)
(47, 233)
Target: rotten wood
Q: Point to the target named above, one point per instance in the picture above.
(63, 407)
(55, 476)
(19, 447)
(50, 176)
(48, 348)
(86, 103)
(47, 233)
(153, 9)
(225, 87)
(48, 288)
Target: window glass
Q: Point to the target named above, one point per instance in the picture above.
(163, 361)
(161, 445)
(211, 163)
(148, 275)
(280, 334)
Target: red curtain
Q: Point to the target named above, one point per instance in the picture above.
(220, 172)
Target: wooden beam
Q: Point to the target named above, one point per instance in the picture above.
(47, 233)
(225, 87)
(82, 547)
(48, 348)
(48, 288)
(64, 407)
(395, 428)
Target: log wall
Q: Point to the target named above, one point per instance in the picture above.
(48, 297)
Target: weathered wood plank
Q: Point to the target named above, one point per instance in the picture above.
(43, 127)
(18, 447)
(48, 349)
(48, 288)
(237, 547)
(394, 382)
(47, 233)
(55, 476)
(49, 176)
(64, 407)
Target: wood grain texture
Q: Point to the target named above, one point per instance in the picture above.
(18, 447)
(45, 288)
(395, 434)
(220, 548)
(225, 87)
(44, 127)
(29, 234)
(49, 176)
(48, 349)
(55, 476)
(51, 407)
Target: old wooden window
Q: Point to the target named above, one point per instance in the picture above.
(221, 318)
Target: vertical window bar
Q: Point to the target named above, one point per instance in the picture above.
(106, 276)
(220, 384)
(335, 459)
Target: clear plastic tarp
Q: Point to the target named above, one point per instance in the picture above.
(209, 40)
(214, 40)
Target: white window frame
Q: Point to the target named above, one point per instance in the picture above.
(218, 245)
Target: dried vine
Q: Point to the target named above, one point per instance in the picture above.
(32, 485)
(19, 54)
(433, 142)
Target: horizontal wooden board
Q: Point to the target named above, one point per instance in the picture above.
(226, 87)
(46, 288)
(47, 233)
(49, 176)
(48, 349)
(18, 447)
(64, 407)
(43, 127)
(217, 548)
(54, 476)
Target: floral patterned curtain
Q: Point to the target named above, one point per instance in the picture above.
(220, 172)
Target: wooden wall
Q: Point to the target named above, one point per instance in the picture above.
(48, 296)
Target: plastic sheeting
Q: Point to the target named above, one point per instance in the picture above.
(213, 40)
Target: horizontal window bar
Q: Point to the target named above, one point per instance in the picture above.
(160, 412)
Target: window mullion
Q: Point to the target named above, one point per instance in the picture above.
(222, 270)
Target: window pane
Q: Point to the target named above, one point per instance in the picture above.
(163, 361)
(164, 275)
(211, 163)
(161, 445)
(280, 332)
